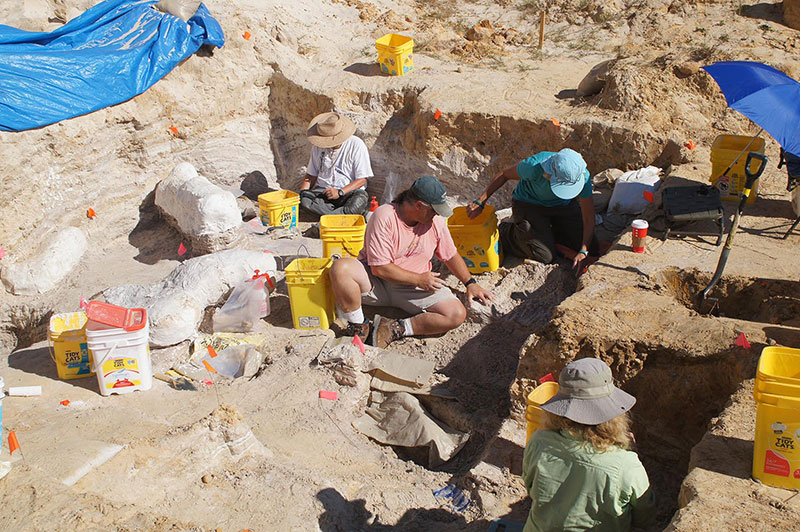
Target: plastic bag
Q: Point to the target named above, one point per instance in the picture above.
(629, 190)
(247, 304)
(183, 9)
(229, 362)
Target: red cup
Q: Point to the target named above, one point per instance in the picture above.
(639, 235)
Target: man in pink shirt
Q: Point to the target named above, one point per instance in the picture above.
(394, 269)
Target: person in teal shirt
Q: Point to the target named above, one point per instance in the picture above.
(578, 470)
(552, 208)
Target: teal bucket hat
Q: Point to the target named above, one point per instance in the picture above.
(567, 171)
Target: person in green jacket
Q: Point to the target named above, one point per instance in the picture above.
(578, 470)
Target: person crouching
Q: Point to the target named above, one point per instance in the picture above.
(579, 470)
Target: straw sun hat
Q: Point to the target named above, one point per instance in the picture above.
(328, 130)
(587, 395)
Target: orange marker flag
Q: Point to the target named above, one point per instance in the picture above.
(174, 130)
(90, 213)
(741, 341)
(437, 115)
(691, 145)
(555, 122)
(181, 250)
(13, 443)
(246, 36)
(357, 342)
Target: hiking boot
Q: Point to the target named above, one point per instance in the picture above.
(358, 329)
(524, 228)
(386, 331)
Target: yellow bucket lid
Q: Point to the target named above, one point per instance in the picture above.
(67, 322)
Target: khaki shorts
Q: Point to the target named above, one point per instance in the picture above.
(406, 297)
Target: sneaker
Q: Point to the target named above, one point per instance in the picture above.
(386, 331)
(358, 329)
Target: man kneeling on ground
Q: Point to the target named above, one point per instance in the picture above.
(394, 269)
(338, 169)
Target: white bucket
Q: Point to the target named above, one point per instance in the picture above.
(121, 359)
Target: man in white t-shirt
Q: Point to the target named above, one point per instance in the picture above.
(338, 169)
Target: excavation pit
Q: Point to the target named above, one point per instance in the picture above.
(762, 300)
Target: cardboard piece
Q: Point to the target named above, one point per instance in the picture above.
(399, 419)
(394, 366)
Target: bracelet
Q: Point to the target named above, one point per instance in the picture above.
(585, 253)
(481, 204)
(470, 281)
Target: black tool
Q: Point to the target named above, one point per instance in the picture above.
(750, 179)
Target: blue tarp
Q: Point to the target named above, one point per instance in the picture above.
(109, 54)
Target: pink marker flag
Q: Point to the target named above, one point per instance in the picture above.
(2, 253)
(324, 394)
(83, 303)
(742, 341)
(358, 343)
(648, 196)
(181, 250)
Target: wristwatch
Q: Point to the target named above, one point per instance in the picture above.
(469, 281)
(341, 192)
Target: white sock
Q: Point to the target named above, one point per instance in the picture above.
(409, 330)
(357, 316)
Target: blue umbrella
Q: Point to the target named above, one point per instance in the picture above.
(766, 96)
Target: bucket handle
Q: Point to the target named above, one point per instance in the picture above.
(51, 349)
(99, 365)
(348, 250)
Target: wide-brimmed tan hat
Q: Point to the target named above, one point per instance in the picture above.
(328, 130)
(587, 395)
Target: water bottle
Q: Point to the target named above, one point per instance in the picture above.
(373, 204)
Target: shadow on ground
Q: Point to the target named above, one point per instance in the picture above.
(342, 515)
(37, 361)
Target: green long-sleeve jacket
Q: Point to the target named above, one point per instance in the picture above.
(574, 487)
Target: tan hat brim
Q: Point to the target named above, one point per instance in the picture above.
(321, 141)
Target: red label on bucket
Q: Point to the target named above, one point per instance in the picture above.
(776, 464)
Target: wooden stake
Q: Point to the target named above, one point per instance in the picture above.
(542, 16)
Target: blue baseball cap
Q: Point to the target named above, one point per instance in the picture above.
(567, 171)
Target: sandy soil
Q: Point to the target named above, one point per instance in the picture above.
(266, 453)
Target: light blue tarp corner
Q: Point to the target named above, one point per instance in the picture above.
(111, 53)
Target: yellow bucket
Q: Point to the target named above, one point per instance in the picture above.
(342, 234)
(310, 294)
(67, 336)
(533, 414)
(477, 239)
(776, 452)
(279, 208)
(395, 54)
(723, 151)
